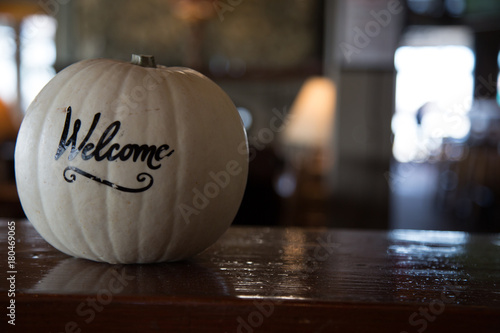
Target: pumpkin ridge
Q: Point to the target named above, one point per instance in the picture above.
(204, 92)
(51, 222)
(109, 221)
(135, 227)
(165, 93)
(77, 71)
(47, 228)
(174, 101)
(183, 85)
(140, 227)
(101, 76)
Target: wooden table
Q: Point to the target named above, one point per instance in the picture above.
(266, 280)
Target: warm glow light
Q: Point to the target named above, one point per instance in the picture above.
(8, 126)
(312, 113)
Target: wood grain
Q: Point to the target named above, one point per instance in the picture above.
(267, 280)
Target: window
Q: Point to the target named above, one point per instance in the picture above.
(434, 92)
(37, 56)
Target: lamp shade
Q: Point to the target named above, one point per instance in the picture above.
(312, 114)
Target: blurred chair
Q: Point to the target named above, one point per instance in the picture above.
(470, 186)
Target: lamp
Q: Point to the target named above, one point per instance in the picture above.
(310, 124)
(193, 10)
(195, 13)
(306, 142)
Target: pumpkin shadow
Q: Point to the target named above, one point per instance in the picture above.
(186, 278)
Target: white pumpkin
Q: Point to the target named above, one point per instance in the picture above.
(131, 162)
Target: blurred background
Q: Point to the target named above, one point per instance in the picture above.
(360, 113)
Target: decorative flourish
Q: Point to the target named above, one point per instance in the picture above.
(140, 178)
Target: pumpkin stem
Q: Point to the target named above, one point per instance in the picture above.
(143, 60)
